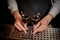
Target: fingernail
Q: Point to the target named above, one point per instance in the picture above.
(26, 28)
(25, 32)
(33, 33)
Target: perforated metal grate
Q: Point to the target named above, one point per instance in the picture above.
(49, 34)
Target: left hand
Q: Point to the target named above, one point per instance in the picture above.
(43, 24)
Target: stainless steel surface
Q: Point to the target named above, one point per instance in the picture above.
(49, 34)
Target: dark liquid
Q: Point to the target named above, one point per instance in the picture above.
(25, 18)
(35, 19)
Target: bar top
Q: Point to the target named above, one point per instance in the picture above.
(10, 32)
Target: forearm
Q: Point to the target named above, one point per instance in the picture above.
(48, 18)
(55, 9)
(16, 14)
(14, 8)
(12, 5)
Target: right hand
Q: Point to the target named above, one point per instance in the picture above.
(19, 24)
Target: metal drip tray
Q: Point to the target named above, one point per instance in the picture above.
(13, 33)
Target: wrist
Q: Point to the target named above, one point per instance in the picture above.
(16, 14)
(49, 17)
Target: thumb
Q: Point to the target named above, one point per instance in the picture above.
(36, 26)
(25, 26)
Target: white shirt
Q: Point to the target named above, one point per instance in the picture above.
(55, 9)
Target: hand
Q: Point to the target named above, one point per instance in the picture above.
(43, 24)
(19, 23)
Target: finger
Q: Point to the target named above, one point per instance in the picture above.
(37, 26)
(17, 27)
(21, 26)
(25, 26)
(39, 29)
(34, 26)
(35, 31)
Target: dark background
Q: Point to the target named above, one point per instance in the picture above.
(7, 18)
(5, 15)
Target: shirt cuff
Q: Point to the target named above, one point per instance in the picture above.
(13, 8)
(55, 9)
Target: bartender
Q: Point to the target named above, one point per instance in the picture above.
(48, 9)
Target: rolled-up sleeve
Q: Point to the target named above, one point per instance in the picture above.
(12, 5)
(55, 9)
